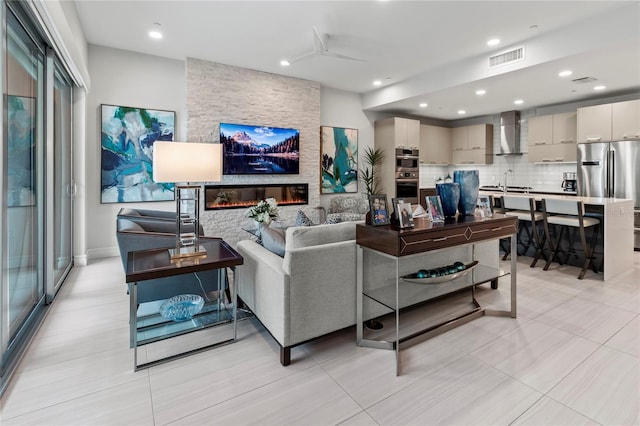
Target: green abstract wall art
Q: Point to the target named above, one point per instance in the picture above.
(339, 157)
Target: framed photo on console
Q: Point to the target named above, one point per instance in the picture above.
(378, 209)
(405, 215)
(434, 207)
(483, 206)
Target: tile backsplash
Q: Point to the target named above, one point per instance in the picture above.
(525, 174)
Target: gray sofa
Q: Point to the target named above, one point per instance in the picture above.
(156, 229)
(308, 293)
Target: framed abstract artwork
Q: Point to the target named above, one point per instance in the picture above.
(127, 136)
(339, 158)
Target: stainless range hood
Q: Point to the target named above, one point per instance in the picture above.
(510, 133)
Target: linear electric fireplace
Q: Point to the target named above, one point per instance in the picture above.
(242, 196)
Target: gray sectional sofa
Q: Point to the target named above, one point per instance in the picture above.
(309, 292)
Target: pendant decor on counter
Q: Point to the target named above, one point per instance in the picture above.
(469, 181)
(450, 196)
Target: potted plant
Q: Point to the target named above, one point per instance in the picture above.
(368, 175)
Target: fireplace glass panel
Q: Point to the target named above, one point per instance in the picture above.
(242, 196)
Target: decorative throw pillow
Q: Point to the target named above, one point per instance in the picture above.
(343, 217)
(302, 219)
(273, 240)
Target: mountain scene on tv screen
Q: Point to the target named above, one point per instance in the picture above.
(259, 150)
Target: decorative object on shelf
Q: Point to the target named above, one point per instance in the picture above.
(450, 196)
(434, 206)
(369, 175)
(250, 150)
(378, 209)
(483, 206)
(186, 163)
(469, 181)
(440, 275)
(339, 157)
(128, 138)
(182, 307)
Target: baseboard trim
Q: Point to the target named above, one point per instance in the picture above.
(100, 253)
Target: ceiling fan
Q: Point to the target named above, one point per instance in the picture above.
(320, 49)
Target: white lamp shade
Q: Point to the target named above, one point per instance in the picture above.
(187, 162)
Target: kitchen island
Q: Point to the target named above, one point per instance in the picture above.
(616, 223)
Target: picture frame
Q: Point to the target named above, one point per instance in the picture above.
(434, 207)
(483, 206)
(394, 215)
(378, 209)
(405, 215)
(338, 155)
(127, 136)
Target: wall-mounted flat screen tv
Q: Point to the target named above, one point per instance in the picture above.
(250, 150)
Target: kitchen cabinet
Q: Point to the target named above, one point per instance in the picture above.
(609, 122)
(435, 145)
(552, 138)
(472, 144)
(594, 123)
(391, 133)
(625, 120)
(398, 132)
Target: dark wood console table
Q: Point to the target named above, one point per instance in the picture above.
(156, 263)
(387, 254)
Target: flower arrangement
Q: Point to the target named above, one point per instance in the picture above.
(264, 211)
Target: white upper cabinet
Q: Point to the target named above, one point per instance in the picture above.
(540, 130)
(565, 128)
(435, 145)
(625, 120)
(472, 144)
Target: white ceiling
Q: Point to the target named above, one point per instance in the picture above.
(423, 51)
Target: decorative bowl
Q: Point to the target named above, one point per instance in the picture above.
(416, 279)
(182, 307)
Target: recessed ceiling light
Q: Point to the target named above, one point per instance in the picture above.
(599, 87)
(518, 102)
(565, 73)
(462, 112)
(480, 92)
(493, 42)
(377, 83)
(155, 32)
(285, 63)
(423, 105)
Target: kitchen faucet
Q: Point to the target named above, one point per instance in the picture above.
(508, 172)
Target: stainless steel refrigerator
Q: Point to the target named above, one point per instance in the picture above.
(610, 169)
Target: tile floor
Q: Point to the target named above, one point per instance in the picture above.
(572, 357)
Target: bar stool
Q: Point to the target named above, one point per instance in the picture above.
(569, 214)
(524, 208)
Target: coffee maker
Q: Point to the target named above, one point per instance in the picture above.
(570, 181)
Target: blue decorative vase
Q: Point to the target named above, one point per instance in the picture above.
(469, 181)
(450, 196)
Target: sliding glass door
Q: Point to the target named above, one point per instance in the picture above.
(23, 167)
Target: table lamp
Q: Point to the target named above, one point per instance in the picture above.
(186, 163)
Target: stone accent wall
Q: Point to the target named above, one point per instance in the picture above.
(222, 93)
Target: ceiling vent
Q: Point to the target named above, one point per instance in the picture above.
(584, 80)
(507, 57)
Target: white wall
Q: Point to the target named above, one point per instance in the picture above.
(130, 79)
(344, 109)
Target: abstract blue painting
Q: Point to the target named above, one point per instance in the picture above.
(339, 156)
(128, 135)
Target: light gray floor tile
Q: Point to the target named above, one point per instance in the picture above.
(465, 391)
(549, 412)
(627, 339)
(606, 388)
(592, 320)
(306, 397)
(124, 404)
(369, 374)
(360, 419)
(536, 354)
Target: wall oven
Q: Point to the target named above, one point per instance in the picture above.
(407, 186)
(407, 159)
